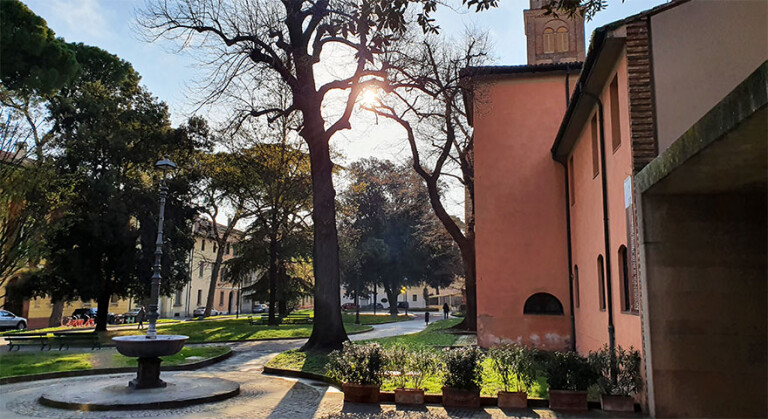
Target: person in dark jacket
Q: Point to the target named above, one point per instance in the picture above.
(142, 314)
(446, 310)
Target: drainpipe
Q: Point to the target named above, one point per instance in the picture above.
(606, 238)
(568, 220)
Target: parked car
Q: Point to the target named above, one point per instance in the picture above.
(260, 308)
(378, 306)
(402, 304)
(348, 306)
(9, 320)
(90, 313)
(201, 310)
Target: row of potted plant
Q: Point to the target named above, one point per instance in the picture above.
(362, 368)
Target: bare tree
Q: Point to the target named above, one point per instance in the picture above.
(428, 105)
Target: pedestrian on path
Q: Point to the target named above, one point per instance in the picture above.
(426, 317)
(140, 317)
(446, 310)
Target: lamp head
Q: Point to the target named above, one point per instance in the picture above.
(165, 165)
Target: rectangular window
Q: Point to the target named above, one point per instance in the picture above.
(576, 299)
(200, 269)
(228, 248)
(37, 303)
(202, 245)
(601, 282)
(595, 148)
(571, 191)
(221, 298)
(177, 298)
(114, 299)
(199, 297)
(615, 116)
(415, 297)
(214, 247)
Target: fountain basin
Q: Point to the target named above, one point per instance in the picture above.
(142, 347)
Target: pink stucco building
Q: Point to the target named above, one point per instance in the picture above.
(620, 198)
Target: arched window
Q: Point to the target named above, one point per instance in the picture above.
(543, 303)
(562, 39)
(576, 286)
(601, 281)
(549, 41)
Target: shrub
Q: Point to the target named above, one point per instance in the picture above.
(462, 368)
(357, 364)
(570, 371)
(411, 367)
(514, 362)
(628, 381)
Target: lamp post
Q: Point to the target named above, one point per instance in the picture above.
(164, 165)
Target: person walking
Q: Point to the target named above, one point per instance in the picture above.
(446, 310)
(140, 317)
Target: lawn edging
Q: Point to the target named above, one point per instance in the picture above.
(118, 370)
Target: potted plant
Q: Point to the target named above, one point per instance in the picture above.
(358, 368)
(462, 379)
(516, 367)
(616, 394)
(569, 375)
(409, 370)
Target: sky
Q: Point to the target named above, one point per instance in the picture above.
(170, 74)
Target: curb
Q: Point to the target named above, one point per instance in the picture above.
(120, 370)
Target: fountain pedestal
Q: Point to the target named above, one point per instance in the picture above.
(149, 351)
(148, 374)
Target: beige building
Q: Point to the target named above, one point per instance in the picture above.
(195, 293)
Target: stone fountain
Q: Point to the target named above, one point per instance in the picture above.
(147, 390)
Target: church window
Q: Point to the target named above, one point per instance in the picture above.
(595, 148)
(615, 117)
(576, 299)
(601, 282)
(562, 39)
(549, 40)
(543, 303)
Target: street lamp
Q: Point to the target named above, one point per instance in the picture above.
(165, 165)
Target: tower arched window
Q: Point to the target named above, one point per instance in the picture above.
(561, 39)
(543, 303)
(549, 41)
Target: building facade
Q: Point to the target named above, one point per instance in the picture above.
(623, 200)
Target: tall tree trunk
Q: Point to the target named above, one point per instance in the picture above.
(57, 310)
(103, 307)
(392, 299)
(470, 286)
(282, 291)
(272, 277)
(328, 330)
(215, 268)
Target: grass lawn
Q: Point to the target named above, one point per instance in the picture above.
(365, 318)
(42, 362)
(233, 330)
(25, 363)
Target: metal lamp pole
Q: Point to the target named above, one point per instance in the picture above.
(165, 165)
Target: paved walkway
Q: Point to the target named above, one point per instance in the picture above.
(261, 396)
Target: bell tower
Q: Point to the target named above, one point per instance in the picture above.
(552, 39)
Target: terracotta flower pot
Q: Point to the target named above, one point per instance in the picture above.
(568, 400)
(513, 399)
(454, 397)
(617, 403)
(361, 393)
(409, 396)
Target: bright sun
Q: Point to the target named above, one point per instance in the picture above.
(369, 98)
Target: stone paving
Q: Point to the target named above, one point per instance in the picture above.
(261, 396)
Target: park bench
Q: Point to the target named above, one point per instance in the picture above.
(77, 339)
(28, 339)
(293, 318)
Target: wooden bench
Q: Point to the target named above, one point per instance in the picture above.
(28, 339)
(77, 339)
(294, 318)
